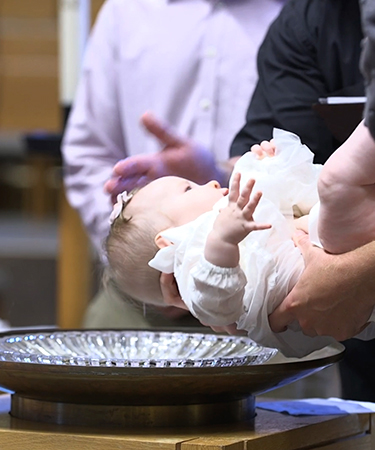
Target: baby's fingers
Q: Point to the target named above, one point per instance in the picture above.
(244, 197)
(268, 147)
(251, 205)
(257, 149)
(260, 226)
(249, 210)
(234, 190)
(265, 148)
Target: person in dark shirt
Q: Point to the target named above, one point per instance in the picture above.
(311, 50)
(367, 62)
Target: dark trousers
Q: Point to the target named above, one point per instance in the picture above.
(357, 370)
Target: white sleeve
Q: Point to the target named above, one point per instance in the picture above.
(215, 293)
(93, 140)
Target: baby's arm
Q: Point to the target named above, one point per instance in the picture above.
(347, 194)
(232, 225)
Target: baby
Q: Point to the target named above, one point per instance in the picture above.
(230, 264)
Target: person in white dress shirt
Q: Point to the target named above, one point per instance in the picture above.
(193, 65)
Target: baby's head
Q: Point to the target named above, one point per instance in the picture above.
(134, 237)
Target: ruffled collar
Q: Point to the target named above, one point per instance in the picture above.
(165, 258)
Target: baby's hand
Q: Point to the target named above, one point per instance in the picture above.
(232, 225)
(265, 148)
(236, 221)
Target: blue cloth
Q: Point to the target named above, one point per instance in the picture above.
(317, 407)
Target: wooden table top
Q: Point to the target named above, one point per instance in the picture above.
(268, 431)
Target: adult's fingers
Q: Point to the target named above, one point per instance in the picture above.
(161, 131)
(111, 186)
(172, 312)
(232, 329)
(302, 241)
(308, 250)
(229, 329)
(281, 317)
(170, 292)
(134, 166)
(117, 185)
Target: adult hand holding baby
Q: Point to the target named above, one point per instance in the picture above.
(172, 298)
(179, 156)
(177, 308)
(324, 300)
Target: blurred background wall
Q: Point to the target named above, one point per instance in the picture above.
(30, 181)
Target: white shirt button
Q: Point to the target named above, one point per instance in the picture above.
(210, 52)
(205, 104)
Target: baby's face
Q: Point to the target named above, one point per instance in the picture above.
(179, 199)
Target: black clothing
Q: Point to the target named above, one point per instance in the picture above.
(357, 370)
(368, 61)
(311, 50)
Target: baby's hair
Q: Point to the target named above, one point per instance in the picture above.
(129, 246)
(110, 286)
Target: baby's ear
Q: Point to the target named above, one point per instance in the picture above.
(162, 241)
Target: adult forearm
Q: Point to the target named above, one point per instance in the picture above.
(360, 264)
